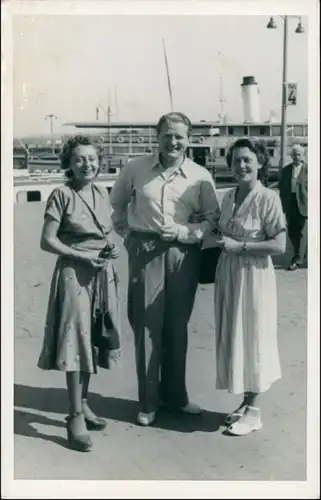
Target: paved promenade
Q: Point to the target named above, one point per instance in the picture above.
(176, 447)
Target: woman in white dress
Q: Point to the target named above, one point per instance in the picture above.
(252, 228)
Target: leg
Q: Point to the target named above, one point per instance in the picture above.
(304, 243)
(182, 269)
(145, 314)
(251, 398)
(250, 419)
(78, 436)
(295, 226)
(74, 392)
(92, 421)
(237, 414)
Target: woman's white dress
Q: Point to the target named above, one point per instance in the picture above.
(245, 296)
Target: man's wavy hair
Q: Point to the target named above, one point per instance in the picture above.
(174, 117)
(68, 148)
(259, 149)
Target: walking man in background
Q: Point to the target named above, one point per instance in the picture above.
(154, 199)
(302, 195)
(291, 197)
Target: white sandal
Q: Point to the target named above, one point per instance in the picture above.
(240, 428)
(235, 416)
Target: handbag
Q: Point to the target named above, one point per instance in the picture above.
(208, 264)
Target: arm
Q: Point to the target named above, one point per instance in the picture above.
(210, 208)
(50, 242)
(274, 226)
(55, 210)
(54, 213)
(120, 197)
(271, 246)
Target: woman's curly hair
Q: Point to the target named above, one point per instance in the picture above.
(68, 148)
(259, 149)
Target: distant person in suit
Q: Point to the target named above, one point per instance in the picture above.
(291, 197)
(302, 195)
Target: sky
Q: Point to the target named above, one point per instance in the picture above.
(69, 65)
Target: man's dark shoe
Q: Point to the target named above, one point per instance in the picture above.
(293, 266)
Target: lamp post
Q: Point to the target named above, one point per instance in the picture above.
(52, 118)
(299, 29)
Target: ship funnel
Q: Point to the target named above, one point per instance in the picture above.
(250, 97)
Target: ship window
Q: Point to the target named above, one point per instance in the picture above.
(262, 130)
(276, 130)
(222, 151)
(246, 130)
(271, 152)
(298, 130)
(33, 196)
(230, 130)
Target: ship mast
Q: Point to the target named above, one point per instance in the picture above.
(116, 103)
(23, 146)
(222, 99)
(109, 129)
(168, 77)
(52, 117)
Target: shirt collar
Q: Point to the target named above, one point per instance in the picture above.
(181, 169)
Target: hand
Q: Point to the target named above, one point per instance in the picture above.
(93, 260)
(111, 252)
(121, 227)
(229, 244)
(169, 233)
(114, 252)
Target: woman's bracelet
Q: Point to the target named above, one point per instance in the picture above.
(244, 247)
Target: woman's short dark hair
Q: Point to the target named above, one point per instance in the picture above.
(259, 149)
(68, 148)
(174, 117)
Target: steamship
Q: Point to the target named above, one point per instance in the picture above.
(120, 142)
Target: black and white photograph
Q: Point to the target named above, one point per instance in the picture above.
(160, 312)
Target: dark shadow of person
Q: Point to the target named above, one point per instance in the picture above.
(23, 426)
(54, 400)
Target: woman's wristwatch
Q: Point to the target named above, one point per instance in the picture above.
(244, 247)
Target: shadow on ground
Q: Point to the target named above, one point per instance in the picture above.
(54, 400)
(24, 422)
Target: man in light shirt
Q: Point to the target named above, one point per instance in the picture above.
(289, 188)
(154, 198)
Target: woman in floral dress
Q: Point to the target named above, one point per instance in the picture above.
(82, 325)
(253, 228)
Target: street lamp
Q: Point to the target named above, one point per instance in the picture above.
(299, 29)
(52, 118)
